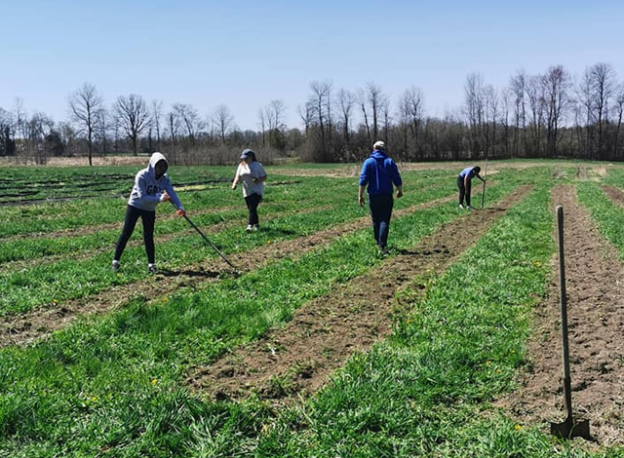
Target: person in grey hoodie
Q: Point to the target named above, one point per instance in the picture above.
(151, 186)
(379, 173)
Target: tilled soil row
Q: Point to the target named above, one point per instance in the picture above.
(137, 240)
(299, 358)
(594, 279)
(615, 194)
(25, 328)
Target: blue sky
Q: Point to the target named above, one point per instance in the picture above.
(246, 53)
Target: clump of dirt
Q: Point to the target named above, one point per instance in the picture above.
(299, 358)
(594, 282)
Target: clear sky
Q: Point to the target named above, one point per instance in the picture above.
(245, 53)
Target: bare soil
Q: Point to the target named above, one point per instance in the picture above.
(299, 358)
(594, 284)
(26, 328)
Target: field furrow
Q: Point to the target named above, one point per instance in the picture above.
(594, 275)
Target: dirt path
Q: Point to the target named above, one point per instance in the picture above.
(615, 194)
(594, 283)
(323, 334)
(26, 328)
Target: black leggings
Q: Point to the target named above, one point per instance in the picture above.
(464, 191)
(252, 202)
(148, 218)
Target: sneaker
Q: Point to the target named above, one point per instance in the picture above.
(461, 207)
(115, 265)
(383, 250)
(469, 207)
(151, 268)
(249, 228)
(256, 227)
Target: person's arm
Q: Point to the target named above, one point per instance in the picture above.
(236, 178)
(363, 183)
(398, 181)
(361, 195)
(173, 197)
(466, 180)
(479, 177)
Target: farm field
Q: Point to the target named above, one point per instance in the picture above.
(319, 347)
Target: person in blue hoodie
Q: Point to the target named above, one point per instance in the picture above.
(151, 187)
(464, 180)
(379, 173)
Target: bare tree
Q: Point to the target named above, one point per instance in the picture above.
(274, 117)
(361, 101)
(346, 101)
(376, 99)
(305, 113)
(133, 116)
(518, 89)
(262, 121)
(603, 83)
(321, 94)
(619, 110)
(555, 83)
(190, 119)
(584, 98)
(38, 128)
(85, 105)
(475, 110)
(490, 97)
(157, 110)
(537, 101)
(506, 101)
(223, 120)
(7, 126)
(411, 114)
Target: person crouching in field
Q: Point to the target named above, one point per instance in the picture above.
(464, 180)
(151, 186)
(379, 172)
(252, 173)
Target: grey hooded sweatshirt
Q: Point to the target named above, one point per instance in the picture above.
(147, 190)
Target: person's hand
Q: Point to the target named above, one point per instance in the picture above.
(233, 185)
(181, 212)
(164, 197)
(361, 200)
(399, 193)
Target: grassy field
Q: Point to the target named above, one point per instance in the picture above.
(117, 382)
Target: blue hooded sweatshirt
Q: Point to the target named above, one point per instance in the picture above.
(147, 189)
(379, 172)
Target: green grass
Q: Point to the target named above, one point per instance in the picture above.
(113, 385)
(93, 388)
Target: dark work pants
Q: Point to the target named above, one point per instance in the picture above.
(381, 212)
(464, 191)
(252, 202)
(149, 219)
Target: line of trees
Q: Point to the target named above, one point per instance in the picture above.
(553, 114)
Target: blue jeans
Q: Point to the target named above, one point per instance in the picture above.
(464, 191)
(381, 212)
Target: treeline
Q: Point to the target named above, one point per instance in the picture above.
(554, 114)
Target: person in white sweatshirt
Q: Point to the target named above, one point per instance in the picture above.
(151, 187)
(253, 176)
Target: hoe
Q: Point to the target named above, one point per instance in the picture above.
(569, 428)
(214, 247)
